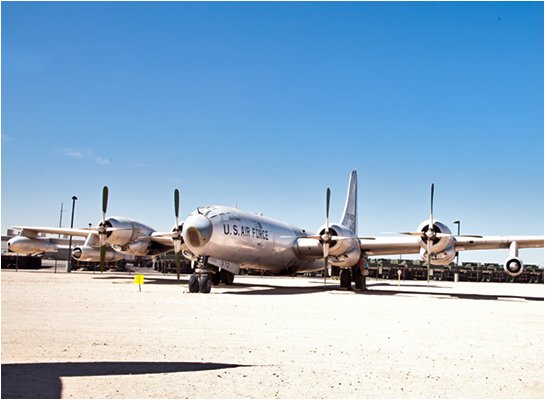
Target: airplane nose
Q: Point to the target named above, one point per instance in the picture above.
(197, 230)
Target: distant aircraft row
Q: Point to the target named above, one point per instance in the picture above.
(221, 240)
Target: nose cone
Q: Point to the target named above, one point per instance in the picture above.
(197, 230)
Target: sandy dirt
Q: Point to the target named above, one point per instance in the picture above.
(85, 335)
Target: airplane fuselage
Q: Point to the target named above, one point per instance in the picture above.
(247, 239)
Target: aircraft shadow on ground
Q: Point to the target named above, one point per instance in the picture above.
(237, 287)
(466, 296)
(273, 290)
(318, 288)
(241, 288)
(42, 380)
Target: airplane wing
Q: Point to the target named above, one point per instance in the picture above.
(32, 231)
(498, 242)
(386, 246)
(164, 238)
(383, 246)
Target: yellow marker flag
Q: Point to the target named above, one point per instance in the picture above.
(139, 279)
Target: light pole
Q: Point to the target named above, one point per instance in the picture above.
(69, 262)
(60, 222)
(457, 253)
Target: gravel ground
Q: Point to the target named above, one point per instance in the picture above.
(85, 335)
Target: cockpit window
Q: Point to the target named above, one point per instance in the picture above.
(233, 217)
(216, 212)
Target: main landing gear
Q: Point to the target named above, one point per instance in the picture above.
(204, 277)
(349, 275)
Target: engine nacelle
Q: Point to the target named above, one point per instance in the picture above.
(343, 252)
(513, 266)
(25, 245)
(139, 247)
(338, 247)
(442, 257)
(346, 259)
(438, 243)
(126, 231)
(88, 253)
(307, 249)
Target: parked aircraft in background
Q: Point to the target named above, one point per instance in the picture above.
(111, 240)
(222, 240)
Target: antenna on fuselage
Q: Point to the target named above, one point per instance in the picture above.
(236, 201)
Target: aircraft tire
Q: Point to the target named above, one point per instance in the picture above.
(215, 278)
(205, 284)
(346, 283)
(194, 283)
(227, 277)
(357, 277)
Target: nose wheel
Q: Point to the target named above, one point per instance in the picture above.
(200, 280)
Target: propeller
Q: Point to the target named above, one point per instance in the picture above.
(176, 235)
(326, 238)
(102, 230)
(431, 234)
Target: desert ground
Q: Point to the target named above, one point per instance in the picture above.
(93, 335)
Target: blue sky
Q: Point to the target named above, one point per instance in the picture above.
(270, 104)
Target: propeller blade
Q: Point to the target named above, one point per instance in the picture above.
(318, 237)
(102, 239)
(104, 203)
(349, 237)
(328, 195)
(178, 263)
(325, 269)
(102, 233)
(451, 235)
(326, 254)
(177, 241)
(429, 259)
(102, 257)
(423, 234)
(431, 209)
(176, 205)
(407, 233)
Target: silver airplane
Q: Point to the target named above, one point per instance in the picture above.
(231, 239)
(222, 240)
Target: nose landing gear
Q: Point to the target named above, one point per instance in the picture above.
(200, 280)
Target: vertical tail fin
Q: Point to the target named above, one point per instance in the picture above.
(351, 207)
